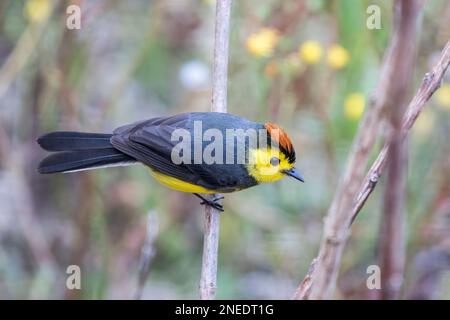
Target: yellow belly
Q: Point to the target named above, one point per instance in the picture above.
(178, 184)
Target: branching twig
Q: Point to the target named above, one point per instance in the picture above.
(219, 104)
(348, 200)
(335, 232)
(430, 83)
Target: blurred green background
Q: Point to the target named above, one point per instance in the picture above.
(309, 66)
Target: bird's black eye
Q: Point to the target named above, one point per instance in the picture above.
(274, 161)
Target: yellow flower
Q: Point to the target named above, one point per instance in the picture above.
(424, 124)
(337, 57)
(37, 10)
(310, 52)
(443, 96)
(262, 43)
(354, 105)
(271, 69)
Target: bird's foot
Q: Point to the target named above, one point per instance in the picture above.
(218, 197)
(214, 202)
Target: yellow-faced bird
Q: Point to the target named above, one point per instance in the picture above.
(199, 152)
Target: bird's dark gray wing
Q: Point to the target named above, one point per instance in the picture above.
(150, 143)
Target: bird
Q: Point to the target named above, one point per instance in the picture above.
(165, 144)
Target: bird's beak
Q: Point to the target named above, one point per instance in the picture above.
(294, 173)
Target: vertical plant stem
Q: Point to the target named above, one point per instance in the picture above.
(391, 242)
(322, 278)
(208, 278)
(430, 83)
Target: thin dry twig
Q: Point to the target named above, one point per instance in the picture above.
(334, 235)
(348, 200)
(305, 286)
(219, 104)
(391, 240)
(430, 83)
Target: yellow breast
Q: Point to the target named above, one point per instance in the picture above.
(178, 184)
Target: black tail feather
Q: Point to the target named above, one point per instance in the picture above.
(79, 151)
(71, 141)
(83, 160)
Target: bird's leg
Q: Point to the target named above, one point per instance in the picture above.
(212, 203)
(218, 197)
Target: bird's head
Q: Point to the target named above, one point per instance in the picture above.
(276, 160)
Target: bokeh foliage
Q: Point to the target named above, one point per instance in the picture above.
(310, 66)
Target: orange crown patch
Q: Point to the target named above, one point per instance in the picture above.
(278, 134)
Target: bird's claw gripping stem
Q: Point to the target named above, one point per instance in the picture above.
(212, 203)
